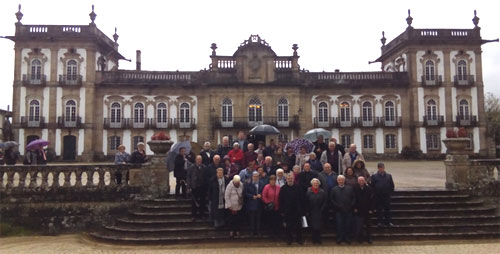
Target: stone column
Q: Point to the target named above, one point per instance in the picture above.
(457, 164)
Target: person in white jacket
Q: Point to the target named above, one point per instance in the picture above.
(234, 202)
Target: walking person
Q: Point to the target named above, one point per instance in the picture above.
(383, 186)
(270, 197)
(317, 200)
(363, 209)
(216, 191)
(234, 202)
(196, 184)
(291, 201)
(253, 202)
(342, 198)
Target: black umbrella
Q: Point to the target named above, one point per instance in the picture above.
(264, 129)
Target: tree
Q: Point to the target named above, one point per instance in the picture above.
(492, 110)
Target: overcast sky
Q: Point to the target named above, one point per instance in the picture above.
(176, 35)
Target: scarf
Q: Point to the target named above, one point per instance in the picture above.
(314, 190)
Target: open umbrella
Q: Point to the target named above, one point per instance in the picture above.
(312, 135)
(298, 143)
(37, 144)
(177, 146)
(264, 129)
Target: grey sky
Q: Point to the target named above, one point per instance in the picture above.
(176, 35)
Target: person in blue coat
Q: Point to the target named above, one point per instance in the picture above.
(253, 202)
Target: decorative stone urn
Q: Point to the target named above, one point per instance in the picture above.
(456, 145)
(155, 175)
(457, 163)
(160, 147)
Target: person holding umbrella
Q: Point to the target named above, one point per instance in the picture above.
(35, 155)
(11, 154)
(181, 165)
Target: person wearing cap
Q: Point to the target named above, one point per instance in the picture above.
(316, 200)
(253, 203)
(236, 155)
(233, 197)
(139, 155)
(383, 186)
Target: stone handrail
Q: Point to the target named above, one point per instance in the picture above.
(484, 170)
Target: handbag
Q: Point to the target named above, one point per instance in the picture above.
(269, 206)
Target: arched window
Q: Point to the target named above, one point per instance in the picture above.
(431, 110)
(70, 111)
(161, 115)
(34, 112)
(227, 110)
(282, 111)
(390, 141)
(71, 70)
(323, 112)
(463, 110)
(367, 112)
(116, 114)
(462, 70)
(36, 69)
(390, 112)
(429, 70)
(138, 113)
(255, 110)
(345, 112)
(184, 114)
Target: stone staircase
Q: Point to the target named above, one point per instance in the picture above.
(417, 214)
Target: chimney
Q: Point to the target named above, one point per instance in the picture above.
(138, 60)
(337, 70)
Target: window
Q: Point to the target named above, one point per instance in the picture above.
(463, 110)
(114, 143)
(254, 110)
(139, 113)
(36, 69)
(323, 112)
(346, 140)
(184, 114)
(429, 71)
(345, 112)
(283, 110)
(470, 145)
(227, 110)
(34, 113)
(116, 113)
(71, 70)
(390, 114)
(367, 112)
(390, 141)
(368, 141)
(161, 114)
(433, 141)
(283, 138)
(231, 141)
(70, 111)
(462, 70)
(431, 110)
(136, 140)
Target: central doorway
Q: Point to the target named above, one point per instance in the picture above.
(69, 148)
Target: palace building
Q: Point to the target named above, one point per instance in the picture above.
(68, 89)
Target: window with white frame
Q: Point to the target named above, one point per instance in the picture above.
(36, 69)
(390, 141)
(323, 112)
(34, 111)
(136, 140)
(116, 112)
(139, 113)
(433, 141)
(367, 111)
(283, 110)
(283, 138)
(346, 140)
(184, 113)
(254, 110)
(368, 142)
(429, 70)
(470, 145)
(71, 70)
(161, 113)
(431, 110)
(114, 143)
(390, 112)
(463, 109)
(462, 70)
(227, 110)
(70, 111)
(345, 112)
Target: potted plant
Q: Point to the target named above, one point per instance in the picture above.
(456, 140)
(160, 143)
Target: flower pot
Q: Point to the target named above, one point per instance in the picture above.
(160, 146)
(456, 145)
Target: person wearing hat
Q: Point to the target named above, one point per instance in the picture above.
(383, 186)
(234, 202)
(139, 155)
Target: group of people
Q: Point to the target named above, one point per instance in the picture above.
(285, 190)
(9, 156)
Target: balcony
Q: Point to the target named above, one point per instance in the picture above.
(464, 80)
(436, 80)
(155, 123)
(73, 80)
(244, 122)
(372, 122)
(184, 123)
(345, 123)
(391, 122)
(69, 122)
(32, 122)
(34, 79)
(433, 121)
(466, 120)
(120, 123)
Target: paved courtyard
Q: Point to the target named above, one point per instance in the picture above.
(76, 244)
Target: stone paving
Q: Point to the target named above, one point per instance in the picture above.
(76, 244)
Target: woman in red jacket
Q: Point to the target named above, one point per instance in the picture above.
(236, 155)
(270, 197)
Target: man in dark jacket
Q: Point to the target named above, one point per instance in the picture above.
(342, 198)
(383, 186)
(180, 166)
(211, 169)
(139, 155)
(224, 148)
(291, 199)
(252, 193)
(216, 189)
(306, 176)
(363, 209)
(320, 146)
(268, 166)
(207, 154)
(242, 140)
(196, 184)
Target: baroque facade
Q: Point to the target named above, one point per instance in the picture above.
(68, 89)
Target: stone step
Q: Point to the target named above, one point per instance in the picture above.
(434, 204)
(426, 192)
(142, 223)
(424, 198)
